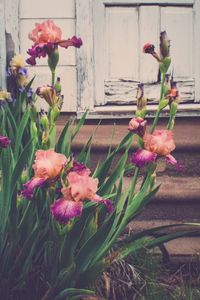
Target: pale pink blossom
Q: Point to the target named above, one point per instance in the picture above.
(160, 142)
(80, 186)
(46, 32)
(48, 164)
(47, 168)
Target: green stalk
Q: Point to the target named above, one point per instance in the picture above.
(159, 110)
(170, 124)
(53, 73)
(133, 184)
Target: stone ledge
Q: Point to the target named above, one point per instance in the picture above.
(186, 133)
(179, 250)
(178, 190)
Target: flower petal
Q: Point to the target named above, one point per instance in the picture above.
(31, 185)
(160, 141)
(109, 205)
(48, 164)
(82, 186)
(172, 161)
(74, 41)
(143, 157)
(4, 141)
(64, 210)
(107, 202)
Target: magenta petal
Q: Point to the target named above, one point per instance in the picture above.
(107, 202)
(170, 159)
(74, 41)
(31, 61)
(64, 210)
(109, 205)
(4, 141)
(31, 185)
(143, 157)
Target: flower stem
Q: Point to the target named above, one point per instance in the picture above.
(162, 85)
(53, 77)
(170, 124)
(135, 178)
(158, 109)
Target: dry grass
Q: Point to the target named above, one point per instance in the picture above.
(145, 277)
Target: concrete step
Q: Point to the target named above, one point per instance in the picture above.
(178, 199)
(180, 250)
(186, 134)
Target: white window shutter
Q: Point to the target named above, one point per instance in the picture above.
(178, 22)
(120, 31)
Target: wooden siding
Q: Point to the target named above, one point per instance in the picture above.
(126, 29)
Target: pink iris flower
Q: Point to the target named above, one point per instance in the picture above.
(80, 187)
(47, 37)
(159, 143)
(138, 126)
(47, 168)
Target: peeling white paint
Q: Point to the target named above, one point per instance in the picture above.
(2, 46)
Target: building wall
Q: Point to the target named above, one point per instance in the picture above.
(103, 75)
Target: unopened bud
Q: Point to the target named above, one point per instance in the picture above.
(24, 176)
(44, 121)
(173, 108)
(138, 126)
(150, 49)
(141, 100)
(34, 130)
(58, 86)
(164, 64)
(53, 59)
(164, 44)
(163, 103)
(141, 113)
(33, 111)
(54, 114)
